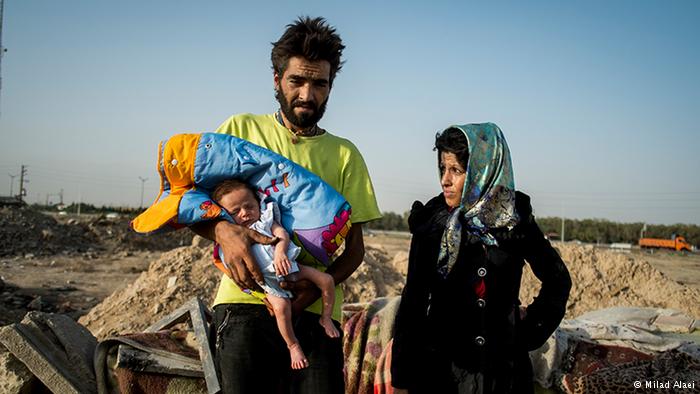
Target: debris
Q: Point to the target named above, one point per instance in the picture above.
(14, 376)
(55, 349)
(35, 304)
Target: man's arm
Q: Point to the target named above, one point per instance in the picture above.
(306, 293)
(235, 242)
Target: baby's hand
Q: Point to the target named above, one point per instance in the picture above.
(282, 264)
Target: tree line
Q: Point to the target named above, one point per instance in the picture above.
(605, 231)
(585, 230)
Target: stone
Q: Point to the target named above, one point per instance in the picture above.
(35, 304)
(200, 242)
(56, 349)
(15, 377)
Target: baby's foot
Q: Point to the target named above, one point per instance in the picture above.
(328, 325)
(299, 360)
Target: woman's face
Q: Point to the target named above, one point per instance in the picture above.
(452, 176)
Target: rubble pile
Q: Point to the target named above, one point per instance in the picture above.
(116, 235)
(26, 232)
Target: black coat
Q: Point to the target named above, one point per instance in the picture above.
(443, 329)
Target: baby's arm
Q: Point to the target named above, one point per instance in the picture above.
(282, 264)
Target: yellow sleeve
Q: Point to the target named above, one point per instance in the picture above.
(358, 189)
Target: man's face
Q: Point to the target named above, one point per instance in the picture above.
(303, 90)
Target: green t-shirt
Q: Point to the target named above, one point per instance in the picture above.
(336, 160)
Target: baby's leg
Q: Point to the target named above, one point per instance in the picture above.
(283, 314)
(326, 283)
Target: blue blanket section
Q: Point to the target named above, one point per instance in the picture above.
(315, 214)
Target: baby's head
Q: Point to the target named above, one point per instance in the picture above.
(239, 200)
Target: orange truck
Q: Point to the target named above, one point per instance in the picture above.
(678, 243)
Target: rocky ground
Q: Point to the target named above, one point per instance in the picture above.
(68, 264)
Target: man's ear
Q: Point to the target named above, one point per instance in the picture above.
(276, 80)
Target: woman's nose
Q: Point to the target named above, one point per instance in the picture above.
(445, 180)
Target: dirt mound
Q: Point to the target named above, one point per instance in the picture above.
(26, 231)
(186, 272)
(379, 275)
(170, 281)
(603, 279)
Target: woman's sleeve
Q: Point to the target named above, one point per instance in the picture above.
(547, 310)
(409, 320)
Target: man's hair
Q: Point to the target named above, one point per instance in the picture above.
(312, 39)
(228, 186)
(453, 141)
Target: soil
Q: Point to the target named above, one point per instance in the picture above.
(115, 281)
(68, 264)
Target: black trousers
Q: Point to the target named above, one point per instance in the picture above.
(251, 356)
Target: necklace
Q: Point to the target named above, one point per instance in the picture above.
(311, 132)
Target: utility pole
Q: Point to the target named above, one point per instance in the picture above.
(2, 48)
(12, 179)
(22, 190)
(80, 199)
(143, 180)
(563, 221)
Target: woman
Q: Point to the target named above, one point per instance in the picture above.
(460, 327)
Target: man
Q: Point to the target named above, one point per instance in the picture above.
(250, 353)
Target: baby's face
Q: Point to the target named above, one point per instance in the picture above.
(242, 206)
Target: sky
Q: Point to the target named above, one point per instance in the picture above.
(597, 99)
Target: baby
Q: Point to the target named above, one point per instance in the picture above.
(276, 262)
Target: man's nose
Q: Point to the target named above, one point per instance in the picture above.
(306, 92)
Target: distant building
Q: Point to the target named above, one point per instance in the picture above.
(8, 201)
(554, 236)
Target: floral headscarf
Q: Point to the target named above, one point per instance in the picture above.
(488, 197)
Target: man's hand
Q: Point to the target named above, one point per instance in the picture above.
(305, 294)
(235, 242)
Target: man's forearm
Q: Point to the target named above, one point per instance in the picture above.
(352, 256)
(206, 229)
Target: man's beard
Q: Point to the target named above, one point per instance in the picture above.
(305, 120)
